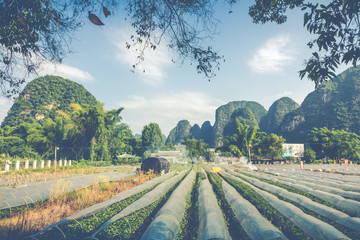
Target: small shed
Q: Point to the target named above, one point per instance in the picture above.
(156, 164)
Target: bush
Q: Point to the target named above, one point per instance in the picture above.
(290, 159)
(209, 156)
(309, 155)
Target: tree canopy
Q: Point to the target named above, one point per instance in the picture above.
(238, 144)
(270, 146)
(151, 138)
(195, 148)
(41, 30)
(88, 132)
(334, 144)
(248, 140)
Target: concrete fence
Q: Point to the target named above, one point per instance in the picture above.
(33, 164)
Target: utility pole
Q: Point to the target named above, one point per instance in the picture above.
(56, 148)
(249, 161)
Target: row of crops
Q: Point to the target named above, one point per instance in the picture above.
(326, 168)
(232, 204)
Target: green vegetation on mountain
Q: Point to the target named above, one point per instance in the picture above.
(88, 132)
(55, 112)
(244, 116)
(207, 133)
(248, 113)
(184, 131)
(171, 136)
(195, 132)
(180, 133)
(271, 122)
(334, 104)
(225, 112)
(46, 97)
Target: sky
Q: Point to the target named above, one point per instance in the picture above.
(261, 64)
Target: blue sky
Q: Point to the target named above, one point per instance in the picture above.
(262, 64)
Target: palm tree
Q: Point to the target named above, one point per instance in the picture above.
(238, 144)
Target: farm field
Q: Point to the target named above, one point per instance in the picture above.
(275, 202)
(326, 168)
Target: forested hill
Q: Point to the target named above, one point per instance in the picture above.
(53, 111)
(247, 112)
(45, 97)
(273, 119)
(335, 104)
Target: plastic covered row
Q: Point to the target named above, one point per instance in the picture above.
(347, 171)
(325, 181)
(328, 212)
(166, 224)
(211, 220)
(254, 224)
(320, 186)
(349, 206)
(312, 226)
(144, 201)
(351, 172)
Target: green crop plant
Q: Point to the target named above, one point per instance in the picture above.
(190, 223)
(276, 218)
(235, 229)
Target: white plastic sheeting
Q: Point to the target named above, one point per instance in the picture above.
(90, 211)
(313, 227)
(328, 212)
(166, 224)
(254, 224)
(323, 180)
(144, 201)
(318, 184)
(211, 220)
(318, 169)
(349, 206)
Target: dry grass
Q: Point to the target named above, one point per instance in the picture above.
(25, 176)
(61, 205)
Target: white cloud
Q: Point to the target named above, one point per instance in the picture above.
(65, 71)
(284, 94)
(167, 109)
(152, 69)
(273, 56)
